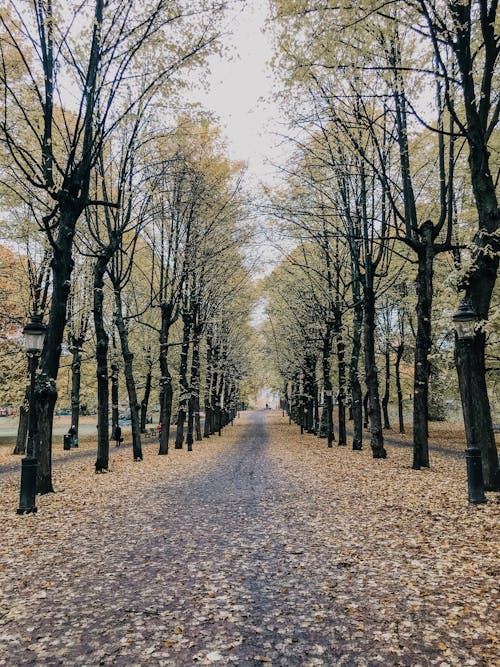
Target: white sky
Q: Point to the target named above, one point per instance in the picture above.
(240, 93)
(240, 90)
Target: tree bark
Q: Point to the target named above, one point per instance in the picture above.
(387, 386)
(208, 427)
(166, 390)
(327, 383)
(46, 391)
(76, 363)
(366, 418)
(147, 392)
(115, 396)
(399, 355)
(183, 383)
(371, 374)
(128, 360)
(355, 385)
(341, 368)
(22, 428)
(101, 353)
(423, 343)
(195, 382)
(309, 384)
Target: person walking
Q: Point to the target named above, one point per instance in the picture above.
(117, 436)
(72, 434)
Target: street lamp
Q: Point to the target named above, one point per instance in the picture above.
(34, 336)
(465, 320)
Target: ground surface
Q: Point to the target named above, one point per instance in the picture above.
(260, 547)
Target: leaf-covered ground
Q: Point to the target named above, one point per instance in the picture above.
(260, 547)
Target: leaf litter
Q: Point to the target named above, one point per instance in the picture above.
(259, 547)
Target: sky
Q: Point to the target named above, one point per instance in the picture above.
(240, 90)
(240, 93)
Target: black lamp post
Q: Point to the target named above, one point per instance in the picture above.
(465, 320)
(34, 336)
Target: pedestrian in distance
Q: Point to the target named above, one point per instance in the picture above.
(117, 436)
(72, 435)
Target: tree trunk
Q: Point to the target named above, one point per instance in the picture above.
(45, 401)
(147, 393)
(195, 382)
(207, 429)
(371, 373)
(399, 355)
(217, 386)
(366, 418)
(293, 402)
(76, 363)
(387, 386)
(190, 425)
(327, 383)
(423, 342)
(183, 383)
(101, 353)
(46, 391)
(22, 428)
(214, 392)
(166, 400)
(355, 385)
(316, 408)
(115, 397)
(166, 390)
(341, 373)
(128, 360)
(309, 384)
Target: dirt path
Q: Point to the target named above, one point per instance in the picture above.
(258, 548)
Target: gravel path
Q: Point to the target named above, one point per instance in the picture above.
(239, 555)
(59, 458)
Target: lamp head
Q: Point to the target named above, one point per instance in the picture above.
(34, 334)
(465, 320)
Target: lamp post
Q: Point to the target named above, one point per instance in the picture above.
(465, 322)
(34, 336)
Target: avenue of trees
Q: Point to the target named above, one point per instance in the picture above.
(127, 215)
(389, 214)
(125, 223)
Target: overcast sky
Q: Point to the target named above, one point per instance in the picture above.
(240, 90)
(240, 93)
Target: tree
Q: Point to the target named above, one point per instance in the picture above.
(96, 48)
(466, 30)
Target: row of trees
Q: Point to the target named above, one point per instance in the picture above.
(129, 211)
(395, 167)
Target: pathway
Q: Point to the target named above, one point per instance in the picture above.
(245, 554)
